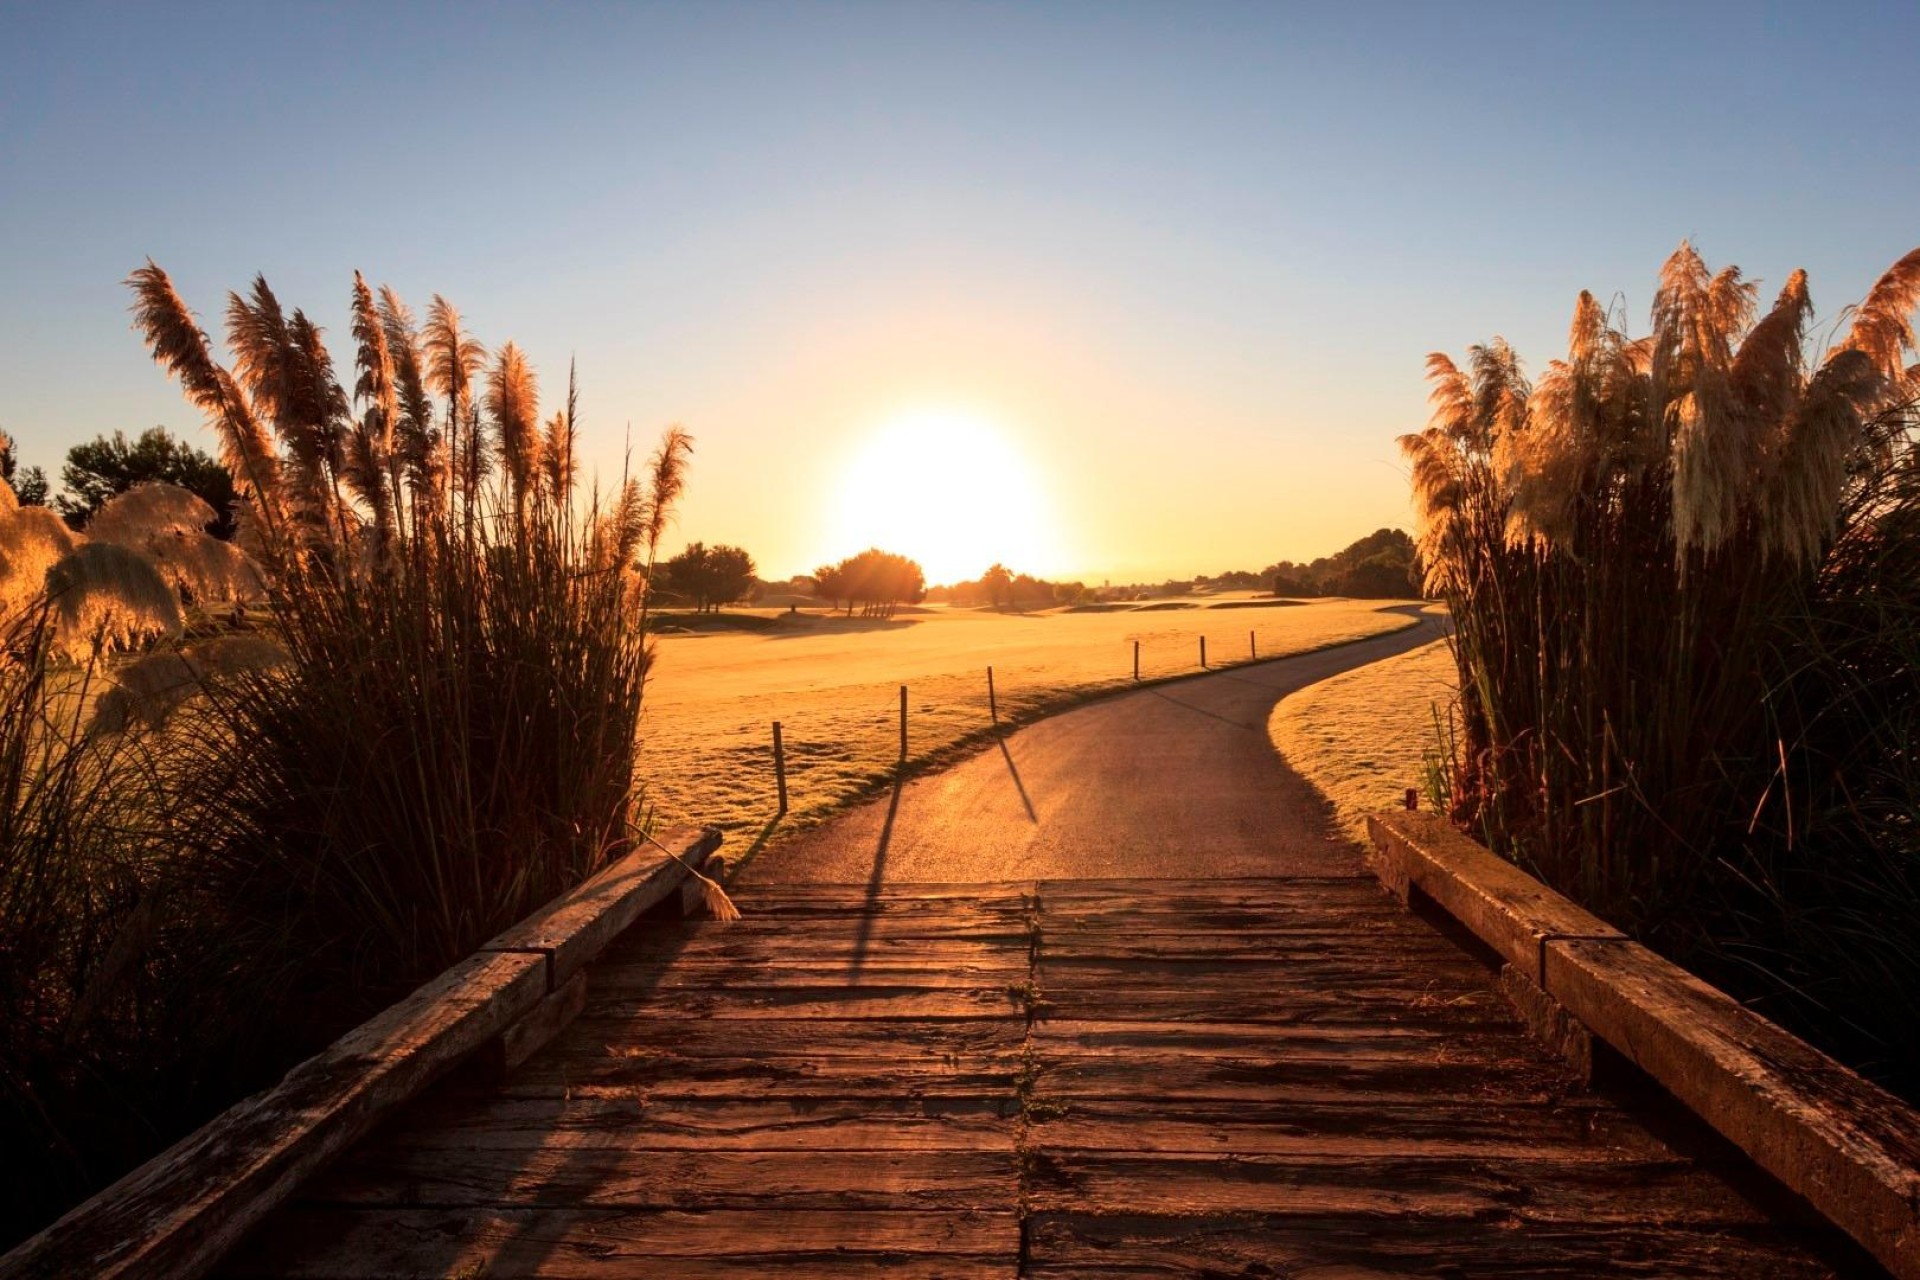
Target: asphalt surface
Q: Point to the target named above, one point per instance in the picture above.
(1176, 780)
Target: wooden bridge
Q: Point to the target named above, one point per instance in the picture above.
(1280, 1077)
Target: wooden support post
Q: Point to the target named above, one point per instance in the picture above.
(1252, 650)
(903, 724)
(1413, 798)
(1136, 659)
(780, 766)
(993, 703)
(1203, 651)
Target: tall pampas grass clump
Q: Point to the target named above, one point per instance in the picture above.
(450, 741)
(1685, 577)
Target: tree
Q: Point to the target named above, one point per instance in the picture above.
(879, 581)
(107, 466)
(29, 484)
(997, 582)
(709, 576)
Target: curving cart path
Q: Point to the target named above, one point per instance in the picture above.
(1177, 779)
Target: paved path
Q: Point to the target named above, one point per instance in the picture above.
(1173, 780)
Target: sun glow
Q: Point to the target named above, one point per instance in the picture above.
(949, 490)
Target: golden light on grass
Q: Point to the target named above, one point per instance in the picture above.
(949, 489)
(1365, 736)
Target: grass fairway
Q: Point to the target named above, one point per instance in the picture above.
(834, 683)
(1363, 737)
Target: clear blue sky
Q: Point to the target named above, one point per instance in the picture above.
(1186, 259)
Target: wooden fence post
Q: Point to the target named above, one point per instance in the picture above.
(1252, 650)
(903, 724)
(1203, 651)
(1136, 659)
(993, 704)
(780, 766)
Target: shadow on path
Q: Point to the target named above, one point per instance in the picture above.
(1018, 785)
(875, 880)
(1181, 702)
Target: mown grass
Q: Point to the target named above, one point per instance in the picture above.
(706, 735)
(1364, 736)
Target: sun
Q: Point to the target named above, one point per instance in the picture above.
(951, 491)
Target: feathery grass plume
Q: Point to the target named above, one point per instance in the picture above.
(106, 596)
(513, 406)
(283, 366)
(1882, 328)
(668, 472)
(207, 569)
(32, 540)
(167, 523)
(147, 511)
(417, 445)
(181, 348)
(454, 359)
(556, 458)
(149, 690)
(145, 691)
(1716, 449)
(9, 501)
(373, 467)
(622, 530)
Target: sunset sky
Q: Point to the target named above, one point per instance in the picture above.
(1102, 291)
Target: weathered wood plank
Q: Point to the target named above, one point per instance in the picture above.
(1280, 1078)
(779, 1038)
(1536, 1187)
(745, 1003)
(1360, 1126)
(649, 1178)
(1502, 905)
(536, 1029)
(1361, 1245)
(704, 974)
(589, 1244)
(578, 925)
(963, 1122)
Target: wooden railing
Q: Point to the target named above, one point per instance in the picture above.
(180, 1212)
(1848, 1147)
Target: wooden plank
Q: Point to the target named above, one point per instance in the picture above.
(782, 1038)
(706, 974)
(1528, 1188)
(179, 1212)
(1406, 1078)
(588, 1244)
(1412, 1008)
(578, 925)
(630, 1178)
(1486, 1129)
(536, 1029)
(964, 1122)
(1848, 1146)
(744, 1003)
(1502, 905)
(1363, 1245)
(1309, 1041)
